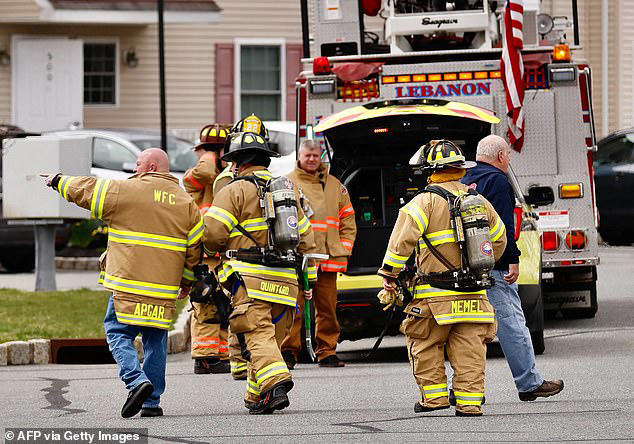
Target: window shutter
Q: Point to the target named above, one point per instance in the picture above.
(224, 83)
(293, 68)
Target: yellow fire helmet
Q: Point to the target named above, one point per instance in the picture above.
(252, 124)
(439, 154)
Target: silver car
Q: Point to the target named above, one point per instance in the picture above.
(114, 151)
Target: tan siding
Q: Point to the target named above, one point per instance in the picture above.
(18, 10)
(626, 15)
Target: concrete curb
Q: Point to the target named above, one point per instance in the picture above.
(77, 263)
(38, 351)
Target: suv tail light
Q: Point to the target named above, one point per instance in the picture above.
(321, 65)
(576, 240)
(518, 213)
(550, 241)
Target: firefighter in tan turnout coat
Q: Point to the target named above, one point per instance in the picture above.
(153, 243)
(263, 295)
(209, 341)
(460, 322)
(332, 217)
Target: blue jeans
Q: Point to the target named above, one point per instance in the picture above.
(513, 334)
(120, 339)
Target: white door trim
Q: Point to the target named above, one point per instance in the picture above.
(237, 81)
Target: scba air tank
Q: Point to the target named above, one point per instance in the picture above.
(286, 224)
(475, 223)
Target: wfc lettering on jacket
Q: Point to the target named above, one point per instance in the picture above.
(445, 90)
(149, 310)
(275, 288)
(161, 196)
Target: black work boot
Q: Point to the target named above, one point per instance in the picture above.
(419, 408)
(149, 412)
(211, 364)
(136, 398)
(289, 358)
(331, 361)
(274, 399)
(548, 388)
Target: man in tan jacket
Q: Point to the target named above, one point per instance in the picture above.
(153, 244)
(263, 292)
(209, 341)
(332, 217)
(459, 320)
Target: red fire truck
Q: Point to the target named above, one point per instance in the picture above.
(373, 97)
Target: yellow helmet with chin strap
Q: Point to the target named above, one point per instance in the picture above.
(439, 154)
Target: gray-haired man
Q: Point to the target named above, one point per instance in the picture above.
(489, 178)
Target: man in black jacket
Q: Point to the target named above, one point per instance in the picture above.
(489, 178)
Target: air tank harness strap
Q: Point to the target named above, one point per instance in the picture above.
(279, 317)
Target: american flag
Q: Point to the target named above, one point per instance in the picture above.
(513, 70)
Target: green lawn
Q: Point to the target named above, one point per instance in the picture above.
(58, 314)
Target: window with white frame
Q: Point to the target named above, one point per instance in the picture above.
(261, 80)
(100, 73)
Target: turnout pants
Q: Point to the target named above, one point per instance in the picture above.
(466, 349)
(237, 362)
(326, 325)
(264, 325)
(208, 339)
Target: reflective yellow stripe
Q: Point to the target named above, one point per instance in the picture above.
(127, 318)
(147, 239)
(312, 272)
(416, 213)
(226, 173)
(269, 371)
(140, 287)
(497, 230)
(263, 174)
(394, 259)
(253, 387)
(63, 184)
(195, 233)
(95, 193)
(422, 291)
(238, 366)
(188, 274)
(304, 225)
(102, 198)
(471, 316)
(438, 238)
(250, 225)
(272, 297)
(466, 398)
(435, 391)
(222, 215)
(229, 267)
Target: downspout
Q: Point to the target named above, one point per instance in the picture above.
(604, 61)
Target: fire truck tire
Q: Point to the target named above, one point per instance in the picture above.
(585, 312)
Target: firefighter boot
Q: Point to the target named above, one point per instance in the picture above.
(135, 400)
(419, 408)
(469, 410)
(274, 399)
(548, 388)
(212, 364)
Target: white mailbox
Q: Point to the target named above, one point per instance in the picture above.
(24, 193)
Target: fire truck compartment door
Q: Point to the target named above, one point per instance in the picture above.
(408, 107)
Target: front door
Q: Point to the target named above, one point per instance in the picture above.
(47, 83)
